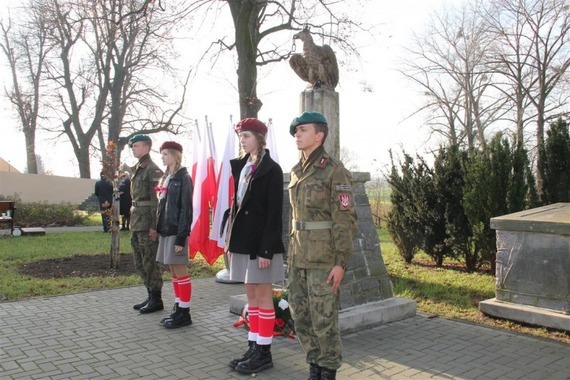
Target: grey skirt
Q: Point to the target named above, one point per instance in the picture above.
(242, 269)
(165, 253)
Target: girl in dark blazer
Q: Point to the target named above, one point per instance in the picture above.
(254, 239)
(174, 218)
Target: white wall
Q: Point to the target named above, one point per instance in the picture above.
(51, 189)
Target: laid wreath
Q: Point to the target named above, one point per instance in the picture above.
(284, 325)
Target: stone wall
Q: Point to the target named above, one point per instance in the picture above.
(46, 188)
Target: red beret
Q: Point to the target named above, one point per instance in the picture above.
(251, 124)
(171, 145)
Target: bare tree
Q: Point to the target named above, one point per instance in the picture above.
(258, 37)
(349, 158)
(25, 47)
(449, 63)
(103, 68)
(140, 42)
(533, 53)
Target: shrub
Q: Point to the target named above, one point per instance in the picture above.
(555, 166)
(43, 214)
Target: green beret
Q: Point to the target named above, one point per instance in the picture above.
(307, 118)
(137, 138)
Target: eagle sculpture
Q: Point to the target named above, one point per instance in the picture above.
(317, 65)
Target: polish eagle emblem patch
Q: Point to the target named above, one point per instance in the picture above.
(344, 201)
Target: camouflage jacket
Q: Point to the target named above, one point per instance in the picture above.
(143, 182)
(323, 218)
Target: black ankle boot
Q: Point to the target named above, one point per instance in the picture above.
(154, 304)
(259, 360)
(244, 357)
(315, 372)
(138, 306)
(328, 374)
(180, 319)
(174, 309)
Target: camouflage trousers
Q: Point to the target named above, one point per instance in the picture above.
(144, 255)
(314, 308)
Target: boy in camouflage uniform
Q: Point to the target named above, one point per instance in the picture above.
(323, 222)
(144, 238)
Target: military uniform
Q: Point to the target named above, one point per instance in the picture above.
(323, 223)
(143, 218)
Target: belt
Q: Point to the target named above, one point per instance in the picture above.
(305, 226)
(143, 203)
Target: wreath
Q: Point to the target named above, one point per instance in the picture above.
(284, 325)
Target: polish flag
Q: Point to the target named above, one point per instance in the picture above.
(204, 197)
(224, 198)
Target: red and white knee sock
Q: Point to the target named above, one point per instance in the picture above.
(266, 326)
(253, 316)
(185, 291)
(175, 289)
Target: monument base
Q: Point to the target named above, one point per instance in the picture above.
(223, 276)
(359, 317)
(526, 314)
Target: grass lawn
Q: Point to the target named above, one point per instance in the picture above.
(17, 253)
(448, 292)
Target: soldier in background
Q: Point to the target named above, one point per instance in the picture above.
(323, 222)
(144, 238)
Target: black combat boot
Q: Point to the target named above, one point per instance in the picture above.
(180, 319)
(138, 306)
(259, 360)
(328, 374)
(315, 372)
(174, 309)
(244, 357)
(154, 304)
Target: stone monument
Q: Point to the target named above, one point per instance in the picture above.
(366, 297)
(533, 267)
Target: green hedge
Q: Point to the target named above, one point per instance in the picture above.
(43, 214)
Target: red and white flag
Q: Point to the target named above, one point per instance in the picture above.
(204, 197)
(224, 198)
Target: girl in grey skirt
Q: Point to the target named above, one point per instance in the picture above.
(254, 239)
(174, 217)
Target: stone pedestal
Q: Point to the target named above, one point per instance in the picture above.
(533, 267)
(366, 298)
(327, 103)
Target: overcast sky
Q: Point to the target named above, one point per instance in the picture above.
(371, 122)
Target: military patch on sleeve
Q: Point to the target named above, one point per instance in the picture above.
(343, 188)
(344, 201)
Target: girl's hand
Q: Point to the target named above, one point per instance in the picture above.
(263, 263)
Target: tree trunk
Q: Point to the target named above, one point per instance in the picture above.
(115, 253)
(30, 139)
(84, 163)
(245, 14)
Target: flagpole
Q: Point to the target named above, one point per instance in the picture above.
(223, 275)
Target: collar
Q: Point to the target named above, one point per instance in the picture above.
(313, 159)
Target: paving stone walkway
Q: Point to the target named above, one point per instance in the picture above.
(97, 335)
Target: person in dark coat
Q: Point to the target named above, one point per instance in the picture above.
(255, 242)
(174, 219)
(125, 201)
(104, 193)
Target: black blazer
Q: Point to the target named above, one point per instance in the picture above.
(174, 213)
(256, 226)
